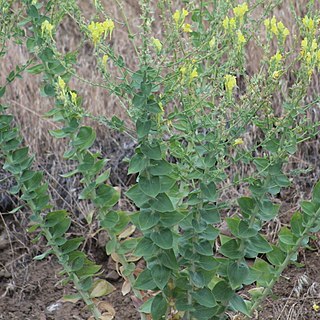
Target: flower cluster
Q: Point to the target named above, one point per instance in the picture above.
(232, 24)
(179, 17)
(64, 93)
(277, 28)
(46, 29)
(229, 24)
(240, 11)
(157, 44)
(100, 30)
(230, 82)
(275, 65)
(188, 72)
(309, 24)
(310, 54)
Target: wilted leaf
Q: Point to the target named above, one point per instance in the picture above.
(73, 298)
(126, 287)
(128, 232)
(101, 288)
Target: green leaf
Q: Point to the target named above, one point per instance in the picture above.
(208, 263)
(49, 90)
(151, 151)
(162, 238)
(158, 307)
(43, 255)
(276, 256)
(149, 185)
(61, 228)
(85, 138)
(222, 291)
(146, 306)
(89, 269)
(316, 193)
(204, 247)
(247, 205)
(205, 297)
(197, 278)
(148, 219)
(146, 248)
(145, 281)
(36, 69)
(209, 191)
(210, 215)
(137, 163)
(258, 244)
(166, 183)
(160, 168)
(237, 274)
(210, 233)
(296, 223)
(287, 237)
(232, 249)
(20, 155)
(162, 203)
(71, 245)
(143, 128)
(2, 91)
(172, 218)
(103, 177)
(106, 196)
(168, 259)
(138, 197)
(160, 275)
(55, 217)
(238, 304)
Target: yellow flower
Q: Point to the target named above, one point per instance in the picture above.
(316, 307)
(100, 30)
(212, 42)
(229, 24)
(276, 74)
(176, 16)
(46, 28)
(277, 57)
(273, 26)
(304, 46)
(241, 38)
(309, 24)
(105, 59)
(184, 12)
(186, 27)
(230, 83)
(193, 74)
(225, 23)
(61, 84)
(241, 10)
(238, 141)
(157, 44)
(183, 70)
(314, 45)
(108, 27)
(73, 97)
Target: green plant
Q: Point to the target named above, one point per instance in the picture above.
(193, 104)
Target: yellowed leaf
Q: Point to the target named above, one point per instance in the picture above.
(101, 288)
(115, 257)
(126, 287)
(128, 232)
(73, 298)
